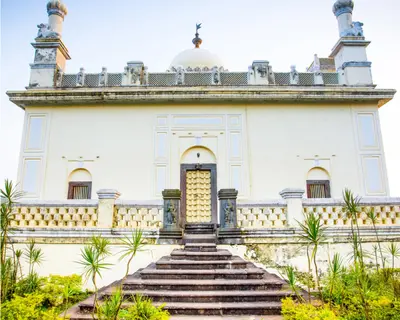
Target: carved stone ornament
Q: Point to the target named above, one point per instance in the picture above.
(294, 76)
(80, 78)
(45, 32)
(263, 70)
(216, 77)
(356, 30)
(144, 76)
(271, 75)
(103, 77)
(180, 76)
(58, 78)
(229, 212)
(171, 212)
(45, 55)
(135, 75)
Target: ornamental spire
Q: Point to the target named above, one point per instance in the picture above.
(197, 40)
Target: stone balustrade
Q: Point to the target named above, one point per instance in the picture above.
(137, 216)
(124, 215)
(266, 215)
(387, 211)
(55, 214)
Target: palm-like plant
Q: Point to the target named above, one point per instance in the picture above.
(374, 219)
(290, 274)
(313, 232)
(131, 245)
(9, 196)
(335, 270)
(33, 255)
(93, 261)
(394, 251)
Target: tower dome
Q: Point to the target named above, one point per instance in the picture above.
(196, 59)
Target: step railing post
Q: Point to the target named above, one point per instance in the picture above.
(227, 208)
(171, 219)
(105, 210)
(294, 210)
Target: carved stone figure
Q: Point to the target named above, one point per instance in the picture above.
(171, 213)
(229, 211)
(271, 75)
(45, 32)
(216, 75)
(80, 78)
(135, 74)
(356, 30)
(263, 70)
(58, 78)
(294, 75)
(189, 69)
(144, 76)
(103, 77)
(180, 75)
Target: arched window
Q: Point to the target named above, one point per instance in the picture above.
(318, 184)
(80, 184)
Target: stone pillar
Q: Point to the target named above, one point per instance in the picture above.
(105, 211)
(227, 208)
(172, 199)
(343, 10)
(56, 11)
(294, 203)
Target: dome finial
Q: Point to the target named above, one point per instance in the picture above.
(197, 41)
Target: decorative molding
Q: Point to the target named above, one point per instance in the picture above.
(248, 94)
(291, 193)
(108, 194)
(356, 64)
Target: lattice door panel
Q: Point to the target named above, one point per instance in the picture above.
(198, 196)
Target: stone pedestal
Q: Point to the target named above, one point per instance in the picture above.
(294, 203)
(227, 208)
(105, 211)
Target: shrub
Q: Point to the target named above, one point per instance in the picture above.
(143, 308)
(22, 308)
(304, 311)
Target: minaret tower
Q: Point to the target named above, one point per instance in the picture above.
(350, 51)
(51, 53)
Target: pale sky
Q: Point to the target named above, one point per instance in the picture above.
(110, 33)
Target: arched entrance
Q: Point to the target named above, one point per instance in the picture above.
(198, 186)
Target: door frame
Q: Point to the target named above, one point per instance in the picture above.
(202, 167)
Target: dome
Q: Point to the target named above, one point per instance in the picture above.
(343, 6)
(196, 58)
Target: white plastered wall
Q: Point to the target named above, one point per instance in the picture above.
(263, 149)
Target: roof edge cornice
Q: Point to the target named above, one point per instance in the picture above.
(215, 94)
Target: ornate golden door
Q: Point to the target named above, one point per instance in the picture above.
(198, 196)
(199, 193)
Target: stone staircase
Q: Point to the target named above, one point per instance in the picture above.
(201, 280)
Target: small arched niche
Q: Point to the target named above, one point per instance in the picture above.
(80, 184)
(318, 183)
(198, 155)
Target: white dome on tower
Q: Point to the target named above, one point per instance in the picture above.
(196, 59)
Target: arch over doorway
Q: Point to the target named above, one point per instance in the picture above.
(198, 186)
(80, 184)
(318, 183)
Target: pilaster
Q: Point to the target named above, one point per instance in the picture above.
(294, 204)
(105, 211)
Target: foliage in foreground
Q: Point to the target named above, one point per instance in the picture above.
(143, 308)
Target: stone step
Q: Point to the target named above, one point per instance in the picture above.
(250, 273)
(210, 308)
(201, 285)
(206, 296)
(233, 263)
(178, 254)
(197, 238)
(199, 226)
(201, 247)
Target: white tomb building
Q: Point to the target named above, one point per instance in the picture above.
(285, 142)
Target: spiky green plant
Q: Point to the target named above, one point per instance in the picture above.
(394, 251)
(93, 261)
(373, 217)
(313, 232)
(335, 270)
(33, 255)
(131, 245)
(110, 307)
(9, 194)
(289, 273)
